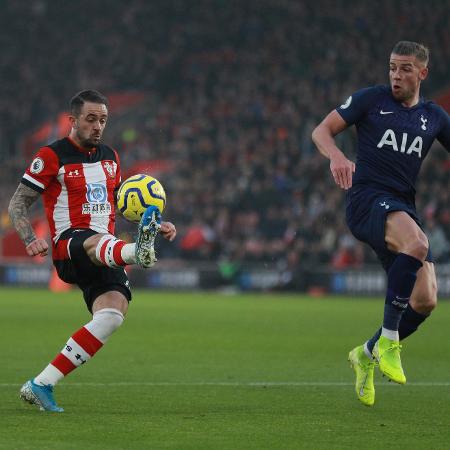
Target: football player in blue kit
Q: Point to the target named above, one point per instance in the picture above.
(395, 128)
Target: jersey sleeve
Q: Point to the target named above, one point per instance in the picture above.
(444, 135)
(42, 170)
(356, 106)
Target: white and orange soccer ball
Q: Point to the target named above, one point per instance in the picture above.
(137, 193)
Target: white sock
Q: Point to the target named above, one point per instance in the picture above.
(50, 375)
(390, 334)
(82, 345)
(367, 351)
(104, 322)
(128, 253)
(113, 252)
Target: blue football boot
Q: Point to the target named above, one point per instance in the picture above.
(148, 229)
(41, 396)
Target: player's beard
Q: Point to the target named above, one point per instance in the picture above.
(403, 95)
(406, 92)
(89, 142)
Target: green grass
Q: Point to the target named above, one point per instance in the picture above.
(209, 371)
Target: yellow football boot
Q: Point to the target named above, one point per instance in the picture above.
(387, 353)
(364, 368)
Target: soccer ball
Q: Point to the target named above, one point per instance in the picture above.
(137, 193)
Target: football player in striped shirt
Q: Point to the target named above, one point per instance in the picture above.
(77, 177)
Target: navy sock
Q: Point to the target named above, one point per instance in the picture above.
(373, 340)
(409, 323)
(401, 278)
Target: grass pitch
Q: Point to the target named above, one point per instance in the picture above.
(208, 371)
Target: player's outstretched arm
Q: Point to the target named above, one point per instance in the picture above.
(323, 136)
(18, 208)
(168, 231)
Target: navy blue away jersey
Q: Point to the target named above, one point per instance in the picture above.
(393, 140)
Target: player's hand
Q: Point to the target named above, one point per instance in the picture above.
(37, 247)
(342, 170)
(168, 230)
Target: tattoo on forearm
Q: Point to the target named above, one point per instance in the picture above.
(19, 205)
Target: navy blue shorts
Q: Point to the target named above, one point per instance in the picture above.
(366, 213)
(74, 266)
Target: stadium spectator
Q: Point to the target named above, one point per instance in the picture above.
(231, 95)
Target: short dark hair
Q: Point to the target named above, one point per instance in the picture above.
(409, 48)
(88, 95)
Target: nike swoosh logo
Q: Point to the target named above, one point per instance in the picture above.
(386, 112)
(361, 391)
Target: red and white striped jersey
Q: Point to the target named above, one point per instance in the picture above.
(77, 186)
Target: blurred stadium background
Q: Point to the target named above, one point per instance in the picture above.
(217, 99)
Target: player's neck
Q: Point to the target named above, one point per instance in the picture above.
(413, 101)
(73, 137)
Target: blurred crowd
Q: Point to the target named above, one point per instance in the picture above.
(232, 92)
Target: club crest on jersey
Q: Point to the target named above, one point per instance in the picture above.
(406, 145)
(96, 193)
(424, 123)
(109, 169)
(37, 165)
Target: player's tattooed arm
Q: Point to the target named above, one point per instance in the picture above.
(18, 209)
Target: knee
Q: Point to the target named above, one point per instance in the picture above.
(90, 246)
(107, 320)
(418, 247)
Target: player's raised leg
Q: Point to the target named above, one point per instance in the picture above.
(404, 237)
(106, 249)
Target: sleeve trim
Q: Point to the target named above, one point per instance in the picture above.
(32, 183)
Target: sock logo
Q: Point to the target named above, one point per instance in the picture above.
(78, 356)
(402, 305)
